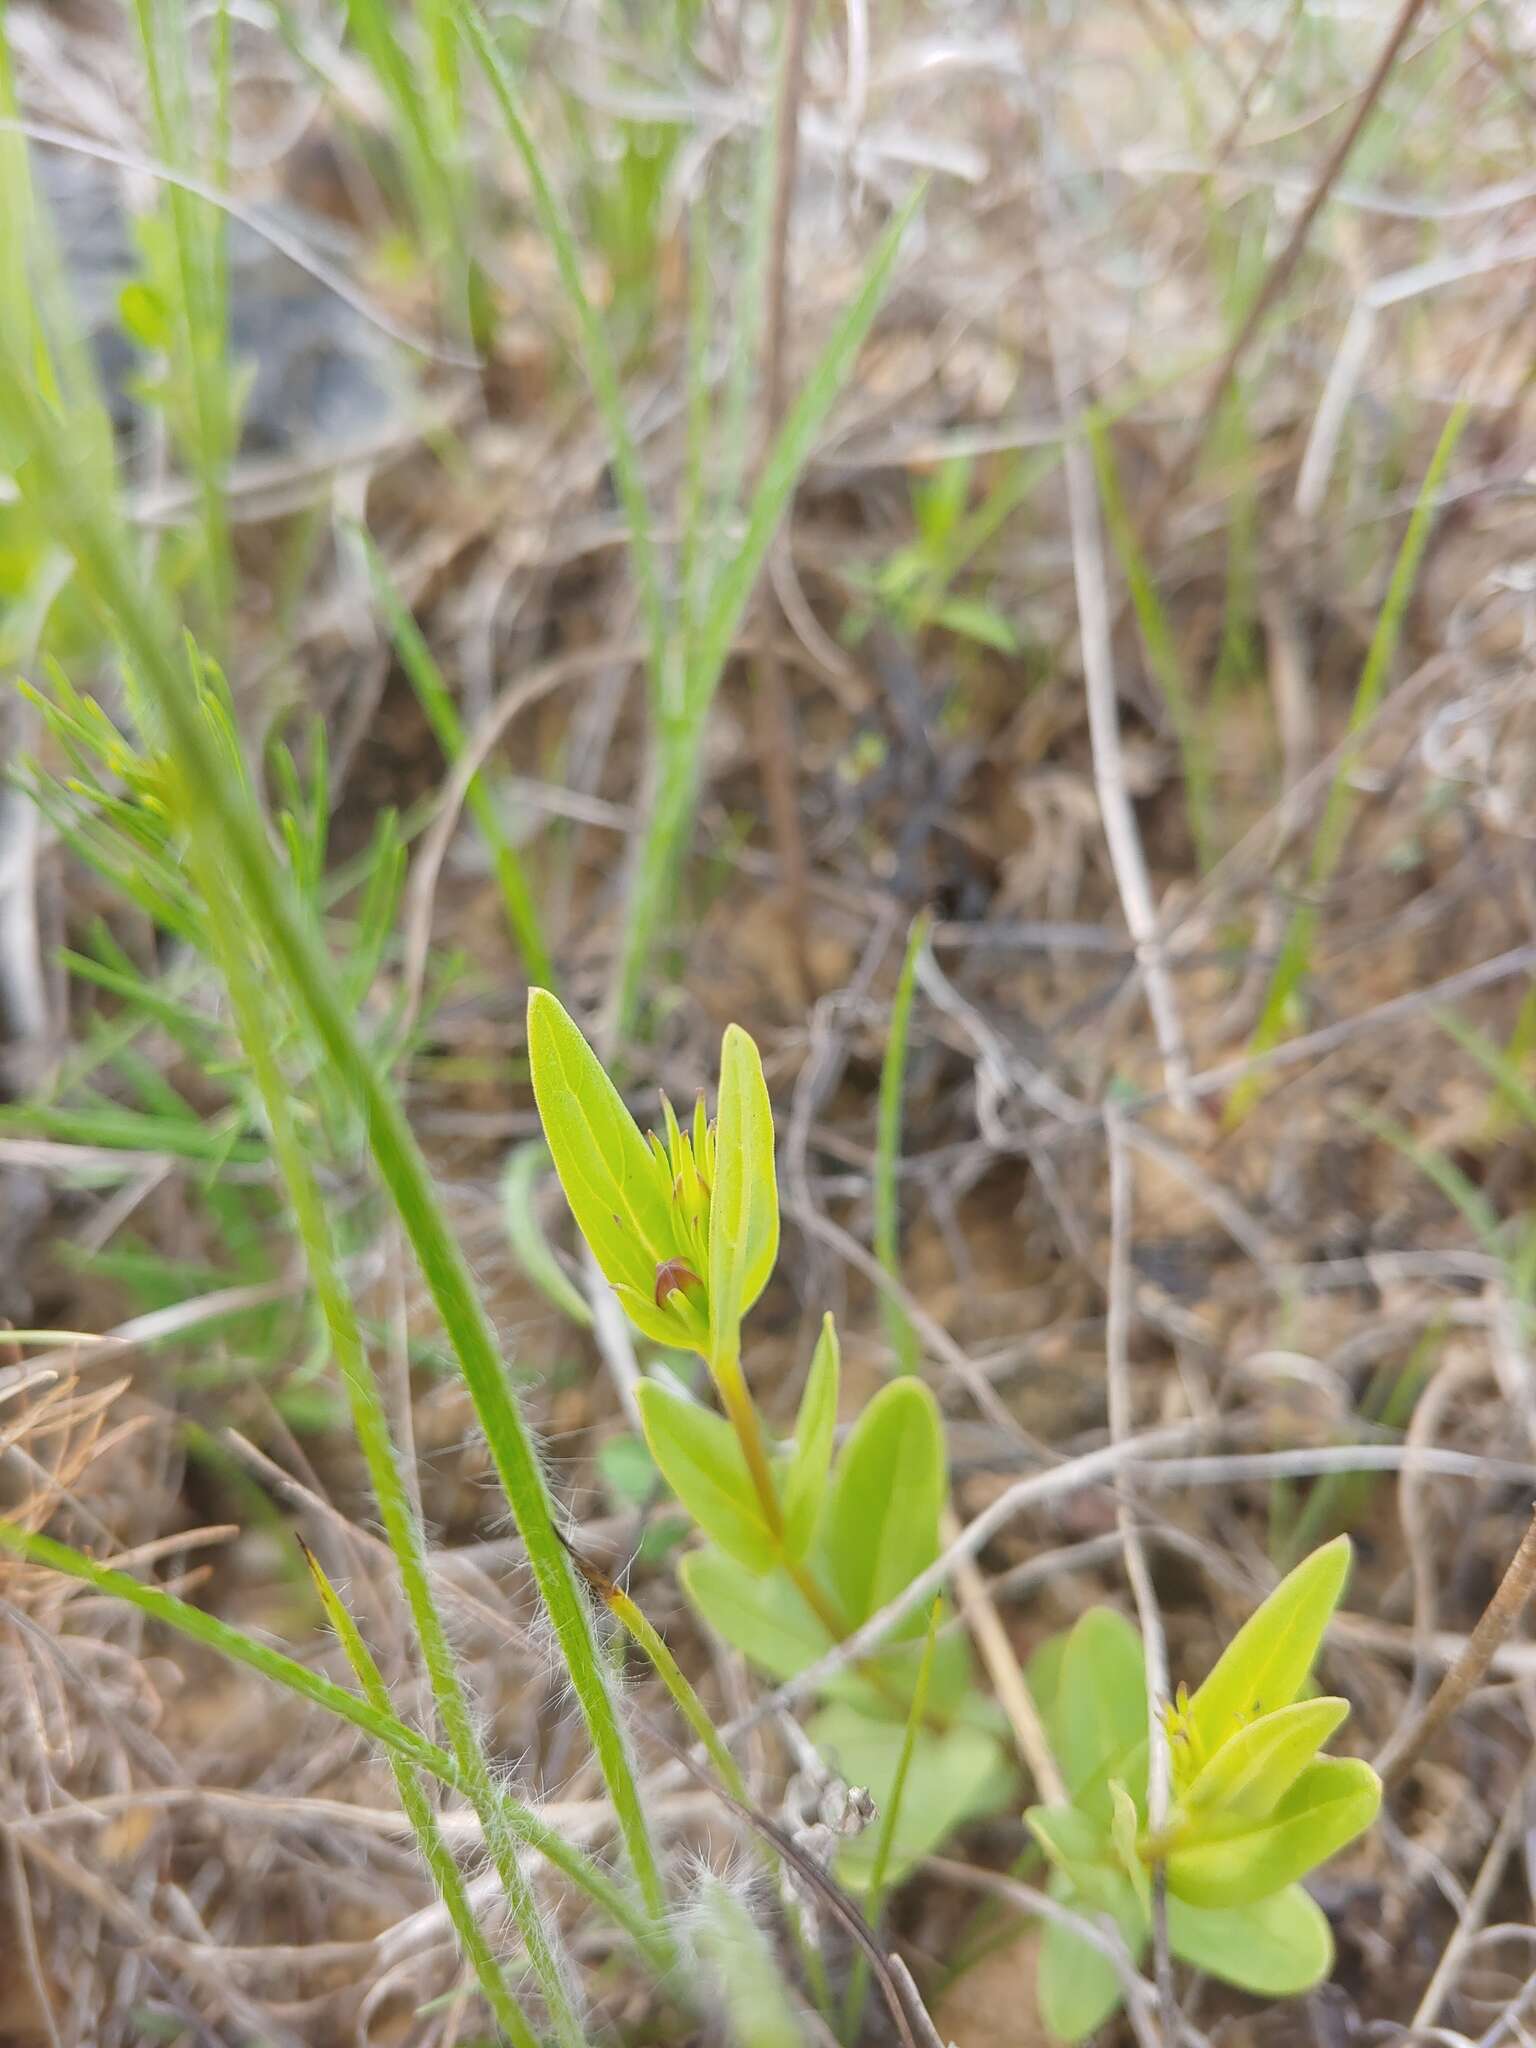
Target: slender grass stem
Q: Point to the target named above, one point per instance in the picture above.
(628, 1613)
(893, 1074)
(224, 811)
(370, 1422)
(1339, 809)
(596, 354)
(392, 1734)
(858, 1983)
(435, 1852)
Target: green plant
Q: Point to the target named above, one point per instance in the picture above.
(802, 1546)
(1282, 998)
(893, 1074)
(924, 584)
(727, 533)
(1253, 1804)
(177, 310)
(227, 882)
(413, 53)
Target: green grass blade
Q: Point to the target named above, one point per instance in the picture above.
(858, 1983)
(893, 1074)
(427, 126)
(596, 354)
(1157, 637)
(684, 1698)
(128, 1130)
(757, 2001)
(200, 399)
(734, 432)
(681, 734)
(391, 1734)
(526, 1164)
(1517, 1093)
(233, 952)
(435, 1852)
(1436, 1166)
(1339, 809)
(695, 540)
(221, 810)
(791, 450)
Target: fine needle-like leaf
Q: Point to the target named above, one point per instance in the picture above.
(223, 815)
(893, 1074)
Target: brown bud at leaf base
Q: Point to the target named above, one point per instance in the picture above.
(672, 1274)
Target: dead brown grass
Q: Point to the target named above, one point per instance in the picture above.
(188, 1860)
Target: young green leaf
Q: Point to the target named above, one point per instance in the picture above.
(617, 1193)
(1332, 1801)
(1076, 1987)
(1274, 1948)
(1043, 1676)
(882, 1524)
(954, 1774)
(765, 1618)
(1267, 1662)
(1254, 1770)
(805, 1483)
(1076, 1984)
(744, 1206)
(701, 1461)
(1075, 1845)
(1125, 1832)
(1098, 1720)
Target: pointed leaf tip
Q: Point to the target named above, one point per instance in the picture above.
(1268, 1661)
(619, 1197)
(744, 1202)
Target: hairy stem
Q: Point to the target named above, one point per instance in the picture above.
(370, 1423)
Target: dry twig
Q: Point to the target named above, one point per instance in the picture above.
(1470, 1668)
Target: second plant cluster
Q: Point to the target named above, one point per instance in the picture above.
(806, 1541)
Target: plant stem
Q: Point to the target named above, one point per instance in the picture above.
(230, 943)
(93, 532)
(743, 1418)
(435, 1852)
(658, 860)
(630, 1615)
(893, 1073)
(394, 1735)
(858, 1983)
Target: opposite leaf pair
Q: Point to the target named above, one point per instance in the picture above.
(1254, 1806)
(686, 1232)
(871, 1528)
(802, 1550)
